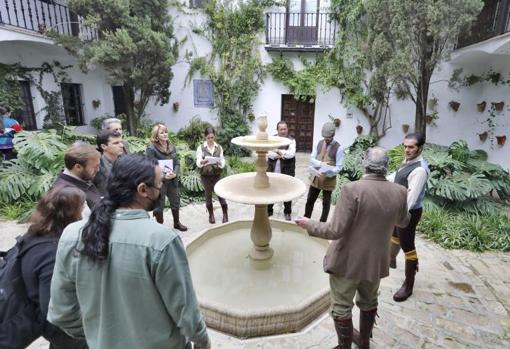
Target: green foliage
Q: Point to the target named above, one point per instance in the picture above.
(236, 165)
(193, 133)
(460, 179)
(234, 65)
(20, 210)
(352, 168)
(303, 83)
(135, 45)
(475, 232)
(10, 92)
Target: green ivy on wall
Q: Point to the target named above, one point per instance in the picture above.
(234, 65)
(302, 83)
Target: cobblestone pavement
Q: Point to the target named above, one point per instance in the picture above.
(461, 299)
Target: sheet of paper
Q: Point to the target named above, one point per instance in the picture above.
(166, 165)
(211, 160)
(326, 168)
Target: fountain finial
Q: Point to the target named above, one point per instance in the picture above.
(262, 125)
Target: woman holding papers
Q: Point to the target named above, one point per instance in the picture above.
(210, 162)
(165, 152)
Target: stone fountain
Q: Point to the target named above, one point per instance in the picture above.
(274, 284)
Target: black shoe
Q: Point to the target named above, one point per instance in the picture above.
(287, 217)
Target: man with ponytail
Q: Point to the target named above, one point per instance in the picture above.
(122, 280)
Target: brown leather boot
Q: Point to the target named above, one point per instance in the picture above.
(158, 216)
(407, 287)
(343, 329)
(366, 324)
(177, 223)
(224, 208)
(210, 209)
(394, 250)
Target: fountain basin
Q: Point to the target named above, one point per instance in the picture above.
(252, 142)
(248, 298)
(240, 188)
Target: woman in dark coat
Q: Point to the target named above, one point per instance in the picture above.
(161, 149)
(54, 212)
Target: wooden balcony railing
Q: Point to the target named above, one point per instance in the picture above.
(493, 20)
(43, 16)
(300, 30)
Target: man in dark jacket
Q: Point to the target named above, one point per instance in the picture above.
(365, 215)
(111, 147)
(283, 160)
(81, 166)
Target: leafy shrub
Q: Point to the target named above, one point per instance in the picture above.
(237, 165)
(193, 133)
(461, 230)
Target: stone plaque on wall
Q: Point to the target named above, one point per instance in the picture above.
(203, 93)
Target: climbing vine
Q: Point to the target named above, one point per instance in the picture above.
(234, 65)
(302, 83)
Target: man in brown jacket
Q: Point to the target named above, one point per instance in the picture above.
(357, 259)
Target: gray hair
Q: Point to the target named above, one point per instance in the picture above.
(107, 122)
(375, 161)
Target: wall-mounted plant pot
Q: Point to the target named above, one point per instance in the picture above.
(359, 129)
(429, 119)
(499, 105)
(96, 103)
(481, 106)
(337, 122)
(454, 105)
(501, 140)
(405, 128)
(175, 106)
(483, 136)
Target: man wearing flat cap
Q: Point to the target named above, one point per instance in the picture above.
(326, 162)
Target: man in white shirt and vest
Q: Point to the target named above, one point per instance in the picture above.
(412, 174)
(283, 160)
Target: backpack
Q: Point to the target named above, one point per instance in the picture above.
(20, 324)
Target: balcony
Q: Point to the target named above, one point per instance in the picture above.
(299, 31)
(42, 16)
(493, 20)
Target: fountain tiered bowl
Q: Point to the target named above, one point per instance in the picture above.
(259, 277)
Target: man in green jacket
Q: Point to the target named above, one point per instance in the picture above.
(121, 280)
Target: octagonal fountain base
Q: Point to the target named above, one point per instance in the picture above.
(248, 298)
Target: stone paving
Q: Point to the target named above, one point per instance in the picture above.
(461, 299)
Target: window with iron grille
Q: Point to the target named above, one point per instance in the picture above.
(73, 106)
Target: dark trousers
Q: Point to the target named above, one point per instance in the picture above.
(208, 182)
(406, 235)
(313, 194)
(169, 190)
(8, 154)
(287, 208)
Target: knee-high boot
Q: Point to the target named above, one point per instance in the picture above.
(158, 216)
(407, 287)
(366, 324)
(210, 209)
(343, 329)
(177, 223)
(394, 250)
(224, 208)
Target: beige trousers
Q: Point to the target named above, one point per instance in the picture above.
(343, 291)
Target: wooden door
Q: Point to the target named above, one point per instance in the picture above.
(26, 115)
(299, 116)
(302, 22)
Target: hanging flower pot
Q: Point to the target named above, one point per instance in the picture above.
(359, 129)
(405, 128)
(337, 122)
(499, 105)
(176, 106)
(483, 136)
(481, 106)
(454, 105)
(96, 103)
(429, 119)
(501, 140)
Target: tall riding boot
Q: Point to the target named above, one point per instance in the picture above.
(366, 323)
(224, 208)
(210, 209)
(158, 216)
(177, 223)
(394, 250)
(407, 287)
(343, 329)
